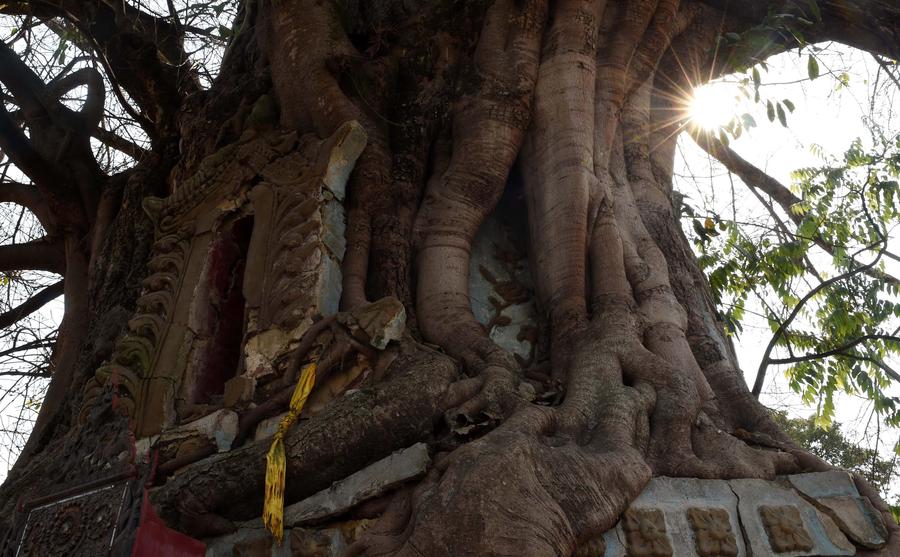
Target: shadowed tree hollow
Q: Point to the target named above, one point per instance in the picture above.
(571, 107)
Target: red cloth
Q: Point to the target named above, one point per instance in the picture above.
(155, 539)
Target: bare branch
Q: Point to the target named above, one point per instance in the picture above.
(92, 111)
(46, 342)
(31, 305)
(25, 85)
(29, 197)
(44, 373)
(119, 143)
(20, 150)
(39, 255)
(839, 351)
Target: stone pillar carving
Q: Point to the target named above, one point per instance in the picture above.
(292, 187)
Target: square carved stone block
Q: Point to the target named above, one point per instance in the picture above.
(645, 532)
(82, 524)
(712, 532)
(785, 529)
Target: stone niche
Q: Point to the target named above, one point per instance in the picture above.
(247, 255)
(500, 282)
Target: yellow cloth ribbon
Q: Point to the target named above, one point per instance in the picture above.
(273, 508)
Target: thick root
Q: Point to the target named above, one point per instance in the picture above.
(520, 490)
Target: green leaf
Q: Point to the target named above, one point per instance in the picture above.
(756, 78)
(788, 104)
(814, 8)
(782, 117)
(770, 111)
(812, 67)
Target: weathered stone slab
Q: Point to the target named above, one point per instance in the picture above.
(262, 351)
(251, 539)
(327, 542)
(342, 159)
(836, 495)
(369, 482)
(266, 428)
(614, 546)
(777, 521)
(377, 323)
(824, 484)
(215, 431)
(681, 517)
(238, 390)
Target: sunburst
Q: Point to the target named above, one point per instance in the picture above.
(715, 104)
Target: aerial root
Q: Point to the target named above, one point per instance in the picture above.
(545, 492)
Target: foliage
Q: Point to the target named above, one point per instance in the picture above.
(832, 446)
(824, 291)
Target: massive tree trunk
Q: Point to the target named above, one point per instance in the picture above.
(575, 104)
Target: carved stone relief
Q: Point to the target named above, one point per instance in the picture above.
(80, 524)
(785, 529)
(712, 532)
(297, 247)
(645, 532)
(169, 365)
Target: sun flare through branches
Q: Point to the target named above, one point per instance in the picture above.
(714, 105)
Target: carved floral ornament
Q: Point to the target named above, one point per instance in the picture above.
(292, 181)
(712, 532)
(785, 528)
(645, 532)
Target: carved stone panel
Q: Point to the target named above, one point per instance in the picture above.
(785, 529)
(712, 532)
(701, 517)
(294, 264)
(645, 533)
(836, 495)
(778, 522)
(270, 203)
(81, 524)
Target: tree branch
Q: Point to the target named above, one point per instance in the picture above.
(782, 328)
(39, 255)
(31, 305)
(870, 25)
(840, 350)
(30, 198)
(22, 153)
(119, 143)
(755, 178)
(90, 114)
(46, 342)
(27, 88)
